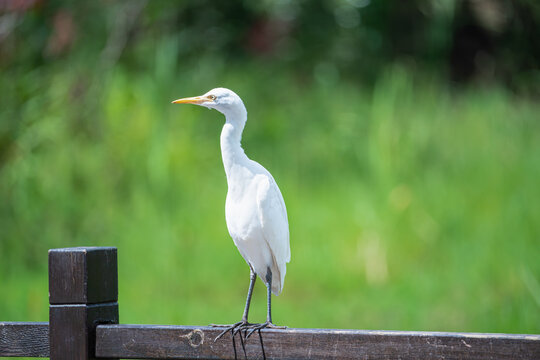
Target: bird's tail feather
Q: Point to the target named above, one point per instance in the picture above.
(278, 278)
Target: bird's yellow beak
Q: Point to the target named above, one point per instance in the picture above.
(191, 100)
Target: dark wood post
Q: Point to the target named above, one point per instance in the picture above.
(83, 292)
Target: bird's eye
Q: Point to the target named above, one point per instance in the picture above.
(212, 97)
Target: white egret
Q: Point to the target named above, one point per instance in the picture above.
(254, 209)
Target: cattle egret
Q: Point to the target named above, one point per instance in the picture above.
(254, 209)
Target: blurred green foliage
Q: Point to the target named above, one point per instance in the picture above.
(412, 200)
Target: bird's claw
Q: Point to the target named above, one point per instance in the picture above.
(234, 328)
(245, 326)
(224, 325)
(257, 327)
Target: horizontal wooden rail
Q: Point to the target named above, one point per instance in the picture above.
(187, 342)
(83, 325)
(24, 339)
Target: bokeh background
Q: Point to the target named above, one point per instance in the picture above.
(405, 137)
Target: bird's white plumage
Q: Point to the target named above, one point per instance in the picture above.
(273, 217)
(254, 209)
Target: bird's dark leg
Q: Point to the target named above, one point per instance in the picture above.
(234, 328)
(269, 296)
(252, 278)
(268, 323)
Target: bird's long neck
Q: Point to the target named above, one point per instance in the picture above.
(231, 148)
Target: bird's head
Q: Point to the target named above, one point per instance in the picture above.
(223, 100)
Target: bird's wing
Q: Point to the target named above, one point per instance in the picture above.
(275, 226)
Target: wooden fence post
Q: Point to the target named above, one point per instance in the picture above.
(83, 292)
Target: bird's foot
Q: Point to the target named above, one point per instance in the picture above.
(234, 328)
(250, 329)
(224, 325)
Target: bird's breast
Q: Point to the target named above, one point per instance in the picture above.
(241, 216)
(241, 210)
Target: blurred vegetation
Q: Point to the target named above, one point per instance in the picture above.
(405, 137)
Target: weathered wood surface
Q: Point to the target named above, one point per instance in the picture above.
(83, 275)
(72, 330)
(187, 342)
(24, 339)
(83, 289)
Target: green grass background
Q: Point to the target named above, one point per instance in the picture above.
(412, 206)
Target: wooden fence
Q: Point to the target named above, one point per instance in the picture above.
(83, 324)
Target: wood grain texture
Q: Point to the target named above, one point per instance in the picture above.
(83, 288)
(72, 330)
(188, 342)
(83, 275)
(68, 332)
(24, 339)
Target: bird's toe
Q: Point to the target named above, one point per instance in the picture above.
(232, 328)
